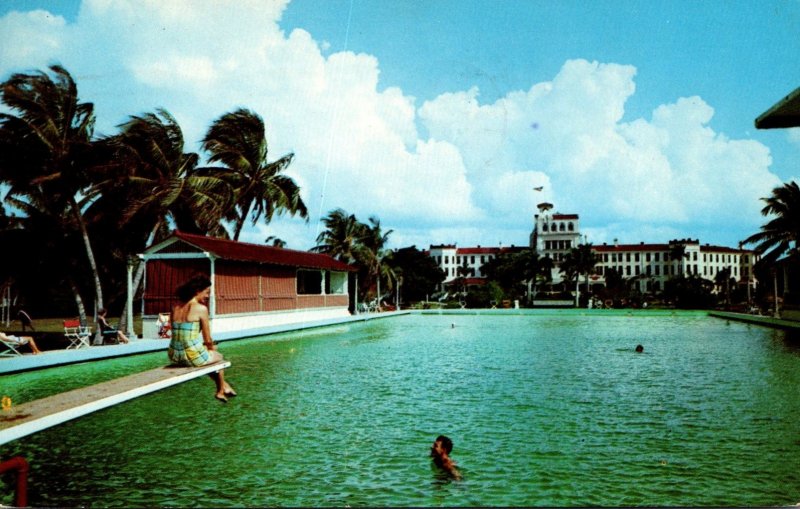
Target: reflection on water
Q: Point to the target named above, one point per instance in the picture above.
(543, 410)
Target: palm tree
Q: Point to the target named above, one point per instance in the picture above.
(46, 141)
(586, 260)
(677, 252)
(238, 141)
(342, 237)
(374, 241)
(156, 182)
(274, 241)
(780, 234)
(462, 272)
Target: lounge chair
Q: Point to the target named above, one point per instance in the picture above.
(77, 334)
(9, 346)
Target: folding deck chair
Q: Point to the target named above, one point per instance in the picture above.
(9, 348)
(77, 334)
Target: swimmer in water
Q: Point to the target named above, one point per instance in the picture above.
(639, 349)
(440, 452)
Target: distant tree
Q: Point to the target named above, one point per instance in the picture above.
(421, 275)
(274, 241)
(463, 271)
(691, 292)
(342, 237)
(723, 282)
(513, 271)
(677, 252)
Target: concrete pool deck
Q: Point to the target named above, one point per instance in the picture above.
(766, 321)
(53, 358)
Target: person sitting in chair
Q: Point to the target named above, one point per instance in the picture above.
(20, 341)
(25, 320)
(107, 331)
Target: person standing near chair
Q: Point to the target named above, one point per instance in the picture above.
(191, 343)
(20, 341)
(107, 330)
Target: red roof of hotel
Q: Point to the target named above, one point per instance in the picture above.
(565, 216)
(631, 247)
(662, 247)
(242, 251)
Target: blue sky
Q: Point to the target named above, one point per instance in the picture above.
(440, 117)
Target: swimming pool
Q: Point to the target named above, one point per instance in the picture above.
(543, 409)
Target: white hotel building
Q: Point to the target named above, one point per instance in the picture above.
(648, 266)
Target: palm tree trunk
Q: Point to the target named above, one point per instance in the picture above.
(378, 275)
(137, 279)
(89, 253)
(78, 300)
(241, 220)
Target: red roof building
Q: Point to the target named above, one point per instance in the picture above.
(253, 285)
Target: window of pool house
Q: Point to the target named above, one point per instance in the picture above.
(309, 282)
(336, 283)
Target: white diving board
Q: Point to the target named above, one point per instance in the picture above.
(33, 416)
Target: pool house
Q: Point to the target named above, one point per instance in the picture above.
(254, 286)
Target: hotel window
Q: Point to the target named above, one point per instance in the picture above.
(482, 260)
(637, 270)
(472, 259)
(571, 227)
(627, 257)
(613, 257)
(544, 227)
(628, 270)
(647, 270)
(636, 257)
(605, 257)
(695, 256)
(647, 257)
(657, 270)
(656, 256)
(569, 244)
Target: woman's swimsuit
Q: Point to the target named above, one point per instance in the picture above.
(186, 347)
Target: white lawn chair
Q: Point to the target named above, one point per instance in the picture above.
(77, 334)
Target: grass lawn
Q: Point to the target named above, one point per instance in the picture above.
(49, 332)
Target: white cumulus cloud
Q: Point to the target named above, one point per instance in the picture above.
(451, 169)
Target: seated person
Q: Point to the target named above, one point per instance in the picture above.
(20, 341)
(109, 332)
(440, 452)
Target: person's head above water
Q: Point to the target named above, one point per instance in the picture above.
(639, 349)
(442, 443)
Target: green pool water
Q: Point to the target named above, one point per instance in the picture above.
(543, 409)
